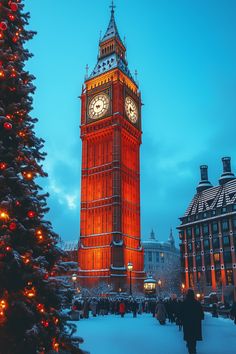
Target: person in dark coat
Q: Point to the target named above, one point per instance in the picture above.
(192, 316)
(233, 312)
(161, 313)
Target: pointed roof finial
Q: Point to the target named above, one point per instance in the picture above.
(171, 239)
(152, 235)
(112, 7)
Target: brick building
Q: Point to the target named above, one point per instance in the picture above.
(208, 235)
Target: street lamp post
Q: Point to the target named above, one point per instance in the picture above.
(130, 268)
(159, 286)
(74, 279)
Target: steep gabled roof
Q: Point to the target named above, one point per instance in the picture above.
(212, 198)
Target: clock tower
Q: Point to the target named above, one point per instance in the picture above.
(110, 178)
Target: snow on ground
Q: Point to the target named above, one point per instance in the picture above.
(143, 335)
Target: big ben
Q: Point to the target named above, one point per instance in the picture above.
(110, 178)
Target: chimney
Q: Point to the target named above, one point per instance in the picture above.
(204, 183)
(227, 174)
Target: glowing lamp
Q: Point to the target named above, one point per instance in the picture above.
(11, 17)
(56, 346)
(159, 282)
(45, 323)
(39, 235)
(74, 277)
(40, 308)
(30, 292)
(3, 215)
(8, 249)
(7, 126)
(3, 307)
(150, 286)
(28, 175)
(130, 266)
(3, 165)
(198, 295)
(31, 214)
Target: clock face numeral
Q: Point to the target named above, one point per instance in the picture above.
(131, 109)
(99, 106)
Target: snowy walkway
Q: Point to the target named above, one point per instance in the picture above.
(143, 335)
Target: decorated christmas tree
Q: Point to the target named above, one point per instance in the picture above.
(31, 319)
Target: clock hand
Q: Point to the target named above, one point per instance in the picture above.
(98, 106)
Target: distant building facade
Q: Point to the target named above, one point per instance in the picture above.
(208, 235)
(161, 259)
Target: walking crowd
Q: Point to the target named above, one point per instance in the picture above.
(186, 313)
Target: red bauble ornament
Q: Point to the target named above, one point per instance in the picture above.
(13, 6)
(17, 203)
(31, 214)
(15, 39)
(12, 226)
(3, 165)
(3, 26)
(7, 126)
(45, 323)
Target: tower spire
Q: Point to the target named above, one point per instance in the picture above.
(112, 7)
(171, 239)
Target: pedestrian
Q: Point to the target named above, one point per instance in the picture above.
(134, 308)
(161, 313)
(122, 308)
(192, 316)
(233, 312)
(214, 310)
(178, 318)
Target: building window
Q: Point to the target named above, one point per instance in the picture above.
(190, 261)
(181, 235)
(217, 257)
(150, 256)
(216, 242)
(190, 247)
(213, 212)
(215, 227)
(205, 214)
(198, 245)
(208, 277)
(226, 241)
(225, 225)
(229, 277)
(234, 222)
(205, 229)
(218, 276)
(197, 231)
(157, 257)
(234, 207)
(199, 260)
(162, 257)
(206, 244)
(227, 257)
(189, 232)
(207, 259)
(224, 210)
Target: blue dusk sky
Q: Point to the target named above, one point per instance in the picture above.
(185, 54)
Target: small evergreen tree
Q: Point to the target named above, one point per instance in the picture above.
(31, 319)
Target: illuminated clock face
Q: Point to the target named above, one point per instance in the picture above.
(99, 106)
(131, 109)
